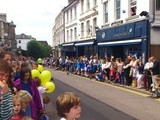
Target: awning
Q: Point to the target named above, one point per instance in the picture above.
(124, 42)
(84, 44)
(68, 44)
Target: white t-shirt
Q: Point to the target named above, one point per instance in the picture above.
(41, 90)
(64, 119)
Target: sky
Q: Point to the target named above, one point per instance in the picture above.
(33, 17)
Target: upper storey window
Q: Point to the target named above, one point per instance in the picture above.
(75, 12)
(67, 16)
(82, 6)
(106, 12)
(133, 9)
(88, 4)
(71, 16)
(118, 9)
(158, 5)
(88, 27)
(94, 2)
(82, 29)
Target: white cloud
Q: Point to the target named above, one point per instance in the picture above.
(33, 17)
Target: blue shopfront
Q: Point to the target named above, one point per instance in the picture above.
(69, 50)
(120, 41)
(85, 47)
(79, 48)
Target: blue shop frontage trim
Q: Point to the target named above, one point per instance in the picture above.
(85, 47)
(69, 49)
(123, 40)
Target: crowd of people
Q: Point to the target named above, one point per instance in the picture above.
(131, 72)
(20, 94)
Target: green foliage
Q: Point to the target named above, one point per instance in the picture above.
(38, 50)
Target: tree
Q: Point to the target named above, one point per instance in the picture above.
(38, 50)
(34, 49)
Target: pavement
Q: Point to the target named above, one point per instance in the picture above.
(51, 111)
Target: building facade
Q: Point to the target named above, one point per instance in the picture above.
(58, 34)
(114, 28)
(86, 44)
(71, 26)
(129, 29)
(22, 41)
(7, 33)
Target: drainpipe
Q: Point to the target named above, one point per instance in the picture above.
(153, 11)
(150, 27)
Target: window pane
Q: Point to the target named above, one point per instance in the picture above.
(133, 2)
(95, 2)
(133, 11)
(133, 7)
(118, 14)
(157, 4)
(117, 3)
(117, 9)
(106, 12)
(106, 17)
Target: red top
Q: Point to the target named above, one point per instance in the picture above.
(16, 118)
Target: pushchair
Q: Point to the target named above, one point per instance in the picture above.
(156, 86)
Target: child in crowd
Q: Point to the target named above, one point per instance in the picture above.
(24, 64)
(20, 101)
(16, 68)
(41, 89)
(68, 106)
(27, 83)
(6, 103)
(7, 55)
(17, 106)
(99, 76)
(46, 100)
(90, 70)
(34, 65)
(25, 98)
(27, 118)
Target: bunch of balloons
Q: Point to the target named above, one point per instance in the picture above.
(45, 77)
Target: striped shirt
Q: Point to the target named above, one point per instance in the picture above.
(6, 106)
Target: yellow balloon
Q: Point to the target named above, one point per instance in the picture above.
(51, 87)
(35, 73)
(45, 76)
(40, 68)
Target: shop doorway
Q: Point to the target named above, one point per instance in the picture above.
(80, 51)
(117, 52)
(70, 54)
